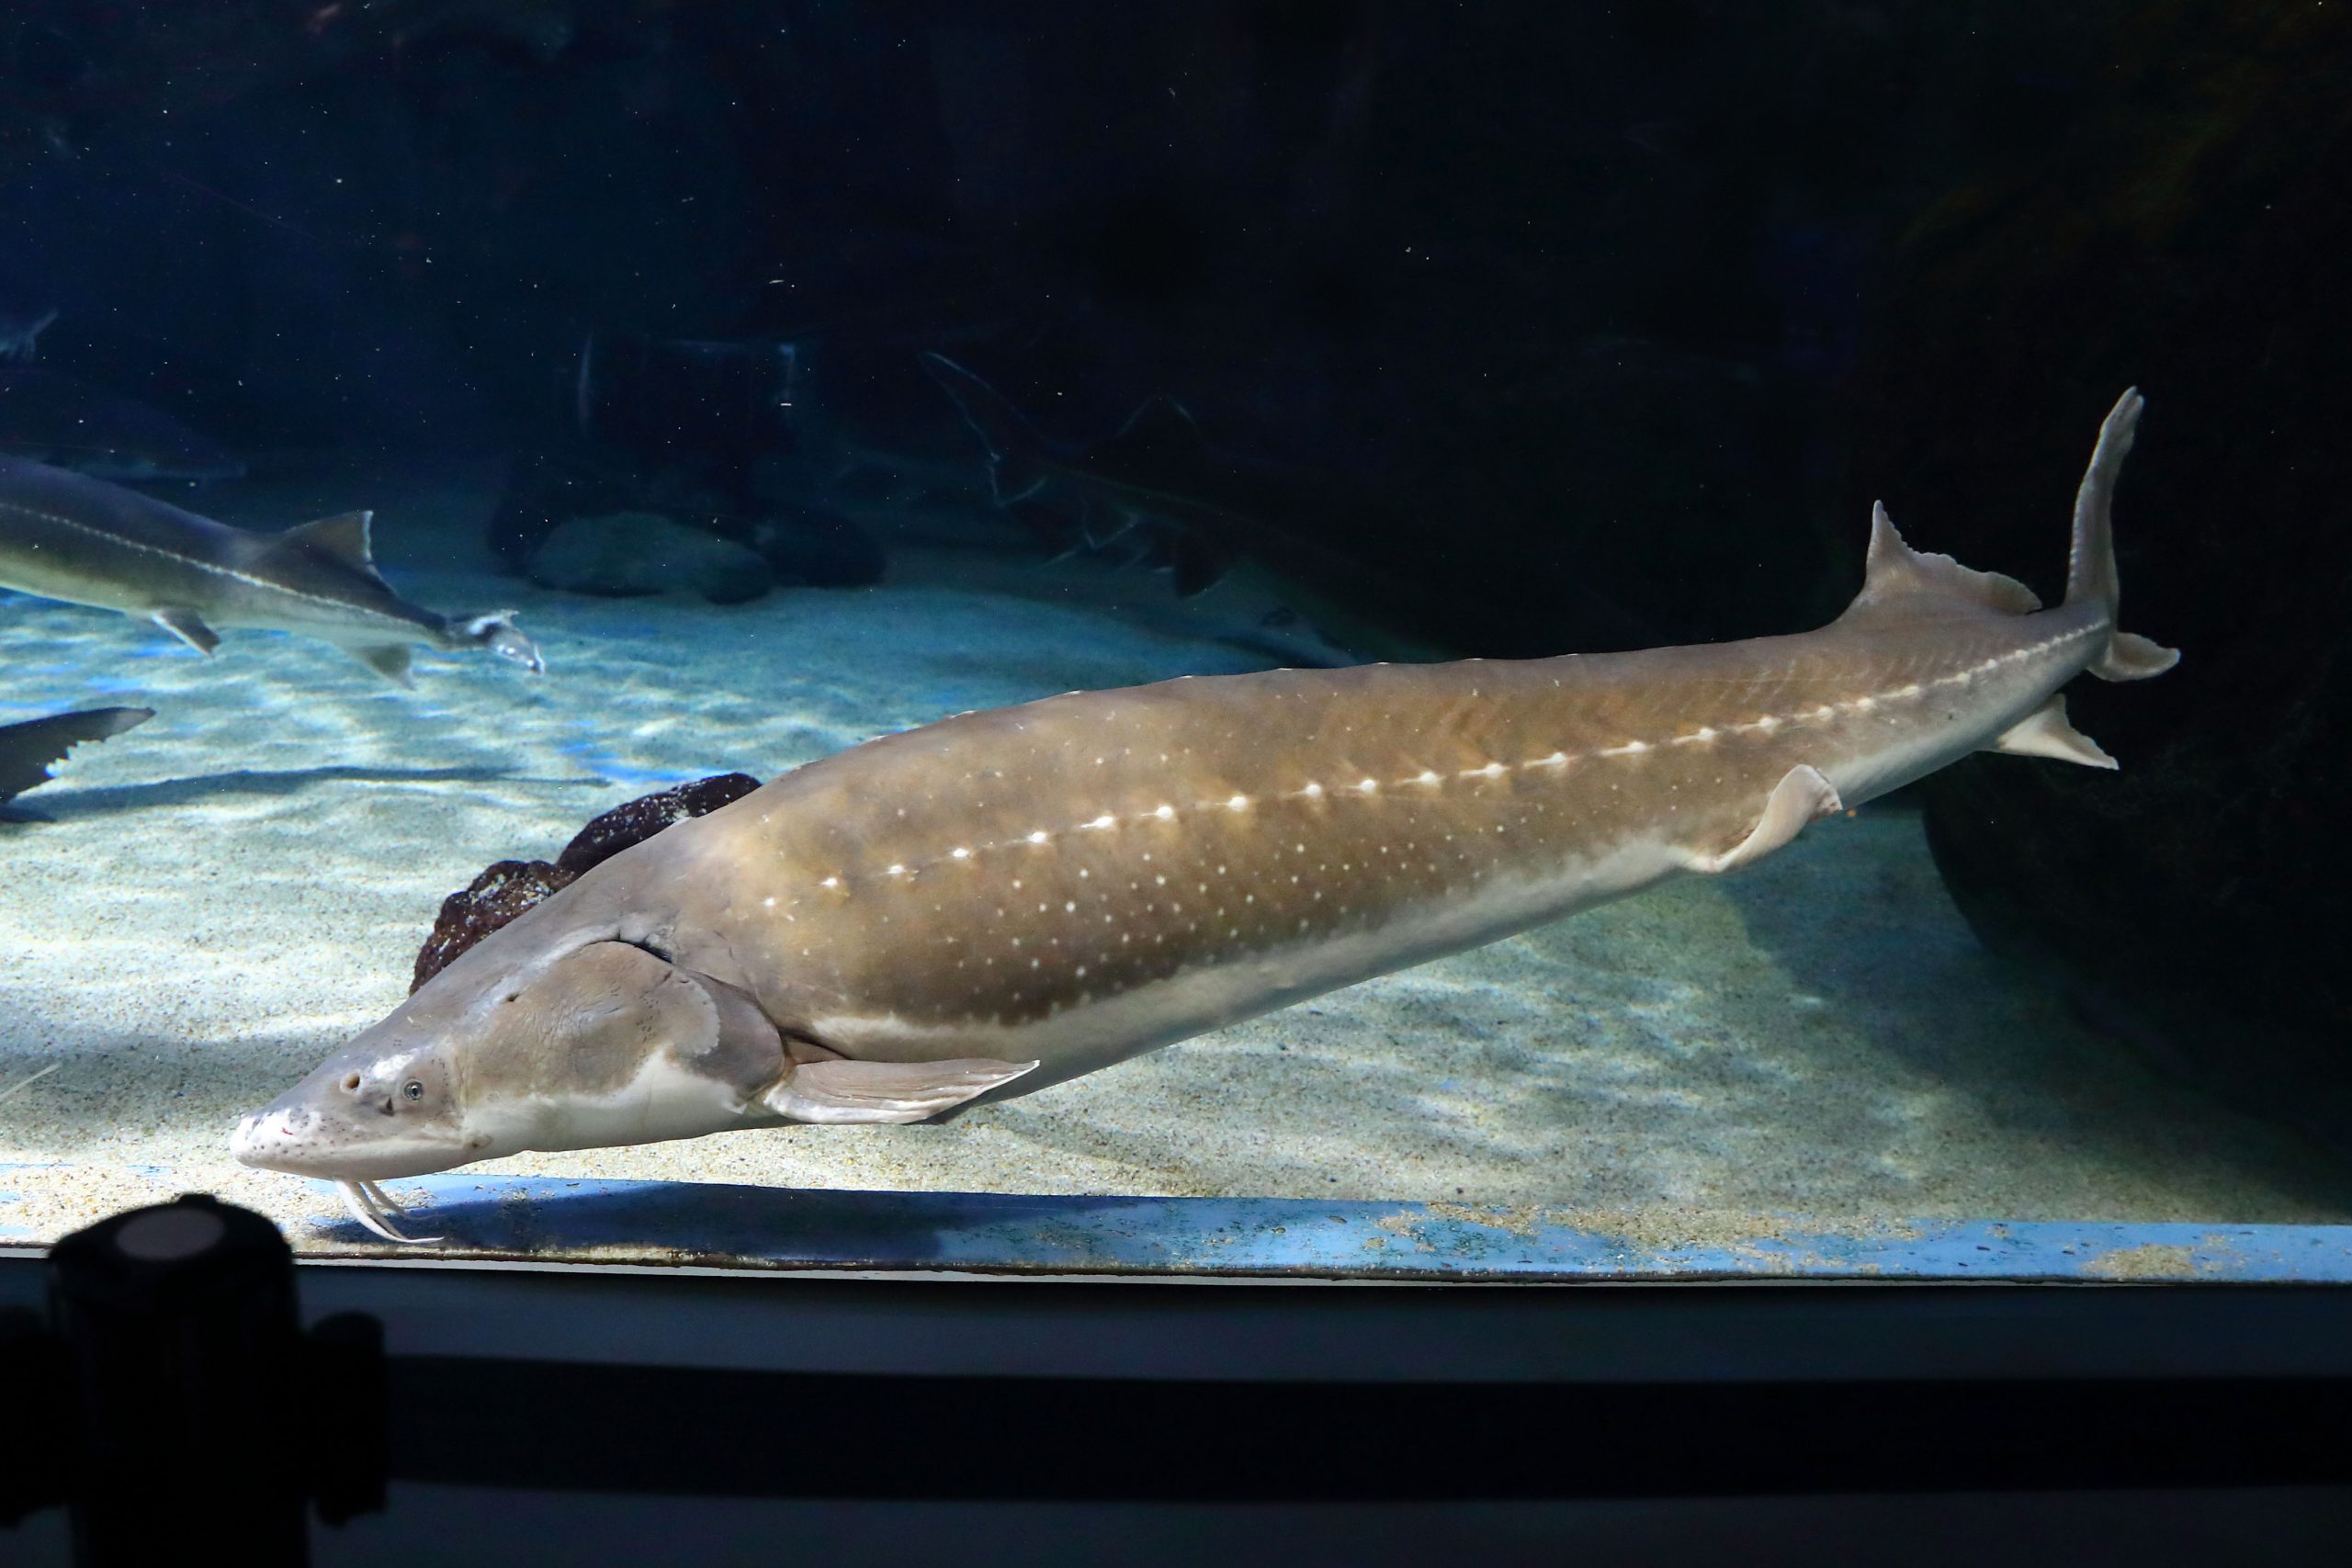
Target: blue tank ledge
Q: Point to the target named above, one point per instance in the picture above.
(696, 1224)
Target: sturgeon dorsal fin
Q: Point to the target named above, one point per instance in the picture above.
(343, 536)
(189, 627)
(1900, 580)
(1161, 432)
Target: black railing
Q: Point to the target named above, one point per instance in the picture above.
(169, 1380)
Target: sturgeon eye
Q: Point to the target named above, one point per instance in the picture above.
(413, 1089)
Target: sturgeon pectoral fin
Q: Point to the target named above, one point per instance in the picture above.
(2044, 732)
(1802, 795)
(846, 1091)
(189, 628)
(389, 660)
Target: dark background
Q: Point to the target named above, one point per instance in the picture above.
(1636, 305)
(1579, 291)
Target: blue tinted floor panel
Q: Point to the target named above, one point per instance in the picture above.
(755, 1227)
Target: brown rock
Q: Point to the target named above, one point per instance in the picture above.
(641, 819)
(511, 887)
(496, 896)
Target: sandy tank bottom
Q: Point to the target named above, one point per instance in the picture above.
(226, 894)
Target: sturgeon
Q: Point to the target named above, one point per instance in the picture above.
(66, 535)
(1000, 901)
(28, 749)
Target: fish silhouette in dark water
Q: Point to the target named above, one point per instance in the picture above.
(27, 750)
(20, 334)
(54, 419)
(1209, 513)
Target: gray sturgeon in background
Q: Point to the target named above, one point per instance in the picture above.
(1158, 478)
(982, 906)
(20, 334)
(26, 750)
(65, 536)
(46, 417)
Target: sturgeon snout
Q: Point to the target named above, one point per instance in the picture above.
(359, 1119)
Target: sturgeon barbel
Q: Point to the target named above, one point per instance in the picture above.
(995, 903)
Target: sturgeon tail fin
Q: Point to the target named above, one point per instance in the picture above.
(1014, 449)
(2090, 568)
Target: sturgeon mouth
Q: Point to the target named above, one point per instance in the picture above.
(297, 1140)
(273, 1140)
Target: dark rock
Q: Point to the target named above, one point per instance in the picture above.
(543, 492)
(815, 549)
(627, 554)
(2189, 240)
(641, 819)
(591, 522)
(511, 887)
(503, 891)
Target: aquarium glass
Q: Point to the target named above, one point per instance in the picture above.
(672, 397)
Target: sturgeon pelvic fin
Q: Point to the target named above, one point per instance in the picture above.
(2090, 568)
(1803, 796)
(847, 1091)
(389, 660)
(189, 628)
(2044, 732)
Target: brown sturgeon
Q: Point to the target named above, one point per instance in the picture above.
(991, 904)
